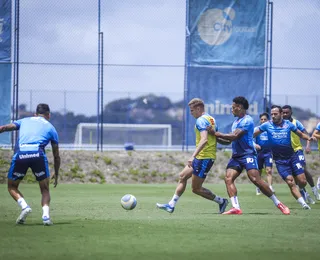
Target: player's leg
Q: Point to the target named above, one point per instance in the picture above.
(260, 167)
(40, 169)
(254, 176)
(268, 164)
(200, 170)
(16, 173)
(290, 180)
(234, 169)
(311, 183)
(184, 175)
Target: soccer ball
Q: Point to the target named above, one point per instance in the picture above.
(128, 202)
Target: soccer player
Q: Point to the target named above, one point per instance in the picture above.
(244, 156)
(34, 134)
(264, 153)
(297, 147)
(201, 161)
(287, 163)
(316, 134)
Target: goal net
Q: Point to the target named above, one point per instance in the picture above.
(120, 134)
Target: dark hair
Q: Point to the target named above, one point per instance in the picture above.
(241, 101)
(287, 107)
(265, 114)
(43, 109)
(279, 107)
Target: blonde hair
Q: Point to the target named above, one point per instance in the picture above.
(196, 102)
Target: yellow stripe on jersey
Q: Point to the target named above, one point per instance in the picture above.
(295, 139)
(210, 149)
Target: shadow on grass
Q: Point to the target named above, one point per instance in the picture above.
(41, 224)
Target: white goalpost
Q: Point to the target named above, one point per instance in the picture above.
(119, 134)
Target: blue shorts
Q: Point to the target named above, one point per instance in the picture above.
(264, 160)
(291, 166)
(301, 158)
(247, 162)
(22, 161)
(201, 167)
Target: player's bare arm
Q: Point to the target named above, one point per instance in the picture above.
(8, 127)
(316, 134)
(223, 141)
(304, 136)
(56, 162)
(257, 132)
(201, 145)
(308, 148)
(236, 134)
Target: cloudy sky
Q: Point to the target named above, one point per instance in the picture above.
(146, 32)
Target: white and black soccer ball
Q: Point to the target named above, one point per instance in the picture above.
(128, 202)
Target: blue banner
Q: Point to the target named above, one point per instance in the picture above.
(5, 67)
(5, 30)
(229, 32)
(225, 58)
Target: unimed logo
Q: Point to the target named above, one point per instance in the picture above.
(218, 108)
(215, 26)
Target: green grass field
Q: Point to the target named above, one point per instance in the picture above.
(90, 224)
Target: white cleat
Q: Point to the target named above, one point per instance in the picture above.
(47, 221)
(258, 192)
(306, 206)
(23, 215)
(310, 200)
(317, 196)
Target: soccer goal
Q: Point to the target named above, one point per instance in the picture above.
(119, 134)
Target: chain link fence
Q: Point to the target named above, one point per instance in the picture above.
(143, 57)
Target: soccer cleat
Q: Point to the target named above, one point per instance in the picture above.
(222, 207)
(233, 211)
(23, 215)
(309, 199)
(317, 196)
(258, 192)
(165, 207)
(47, 221)
(306, 206)
(284, 209)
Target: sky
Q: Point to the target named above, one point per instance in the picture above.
(146, 32)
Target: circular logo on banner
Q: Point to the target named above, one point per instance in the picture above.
(215, 25)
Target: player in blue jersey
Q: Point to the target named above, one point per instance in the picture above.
(297, 147)
(316, 135)
(264, 153)
(34, 134)
(287, 163)
(200, 162)
(244, 156)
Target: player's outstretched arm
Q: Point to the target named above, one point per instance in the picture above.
(8, 127)
(316, 134)
(232, 136)
(304, 136)
(56, 162)
(223, 141)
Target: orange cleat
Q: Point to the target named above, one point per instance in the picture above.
(233, 211)
(284, 209)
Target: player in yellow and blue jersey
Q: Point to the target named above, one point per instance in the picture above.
(297, 147)
(201, 161)
(34, 134)
(244, 156)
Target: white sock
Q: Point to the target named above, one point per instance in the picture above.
(218, 199)
(275, 200)
(235, 202)
(314, 190)
(22, 203)
(174, 200)
(301, 201)
(45, 211)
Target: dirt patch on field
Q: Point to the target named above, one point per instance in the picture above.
(133, 167)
